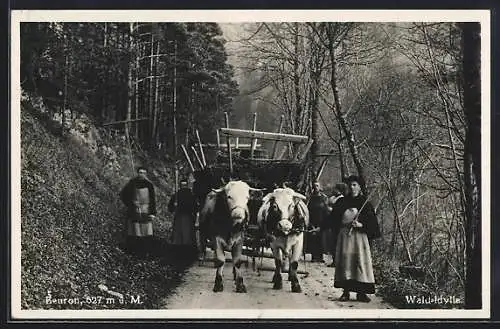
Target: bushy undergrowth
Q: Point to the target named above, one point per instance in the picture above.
(405, 293)
(72, 224)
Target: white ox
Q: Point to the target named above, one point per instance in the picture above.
(284, 217)
(224, 217)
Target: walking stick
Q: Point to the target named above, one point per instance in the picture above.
(359, 212)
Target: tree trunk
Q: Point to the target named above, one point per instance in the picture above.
(155, 104)
(136, 103)
(151, 92)
(131, 87)
(394, 239)
(174, 119)
(341, 117)
(315, 72)
(471, 51)
(103, 112)
(66, 72)
(296, 80)
(344, 171)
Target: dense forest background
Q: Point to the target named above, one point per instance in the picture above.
(398, 104)
(167, 79)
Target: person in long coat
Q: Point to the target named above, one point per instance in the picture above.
(353, 259)
(333, 223)
(138, 195)
(184, 204)
(318, 213)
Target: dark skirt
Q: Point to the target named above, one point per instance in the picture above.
(183, 230)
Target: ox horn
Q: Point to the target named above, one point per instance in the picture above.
(300, 196)
(267, 197)
(218, 190)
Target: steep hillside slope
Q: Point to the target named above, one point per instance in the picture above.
(72, 218)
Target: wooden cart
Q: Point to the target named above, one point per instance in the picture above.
(239, 154)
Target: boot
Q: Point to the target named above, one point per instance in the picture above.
(345, 296)
(363, 298)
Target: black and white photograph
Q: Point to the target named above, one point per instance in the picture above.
(204, 164)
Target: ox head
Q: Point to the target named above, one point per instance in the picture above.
(237, 194)
(281, 207)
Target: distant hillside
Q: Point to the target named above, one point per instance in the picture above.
(72, 218)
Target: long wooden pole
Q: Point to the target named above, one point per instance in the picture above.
(240, 145)
(282, 153)
(254, 140)
(218, 138)
(302, 153)
(200, 145)
(321, 168)
(198, 159)
(275, 146)
(231, 132)
(123, 121)
(228, 141)
(186, 154)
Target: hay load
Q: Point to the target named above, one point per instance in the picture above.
(259, 174)
(212, 165)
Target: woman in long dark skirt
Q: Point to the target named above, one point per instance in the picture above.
(353, 259)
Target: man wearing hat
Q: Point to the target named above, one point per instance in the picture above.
(185, 206)
(333, 223)
(318, 213)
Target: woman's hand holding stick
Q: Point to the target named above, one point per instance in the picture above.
(355, 222)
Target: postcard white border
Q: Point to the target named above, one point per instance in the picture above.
(240, 16)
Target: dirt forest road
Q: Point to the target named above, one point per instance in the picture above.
(317, 289)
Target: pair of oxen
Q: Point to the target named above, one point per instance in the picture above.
(283, 217)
